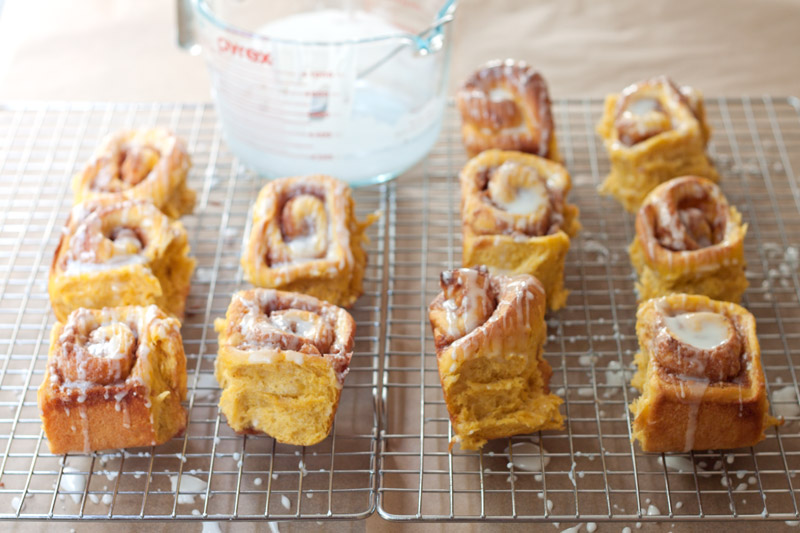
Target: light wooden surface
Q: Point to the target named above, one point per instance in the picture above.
(125, 51)
(117, 50)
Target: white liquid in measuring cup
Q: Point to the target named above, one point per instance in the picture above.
(329, 25)
(323, 108)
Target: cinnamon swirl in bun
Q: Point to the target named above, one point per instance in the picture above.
(489, 333)
(116, 252)
(653, 131)
(700, 376)
(515, 217)
(689, 240)
(115, 378)
(281, 364)
(505, 105)
(141, 164)
(306, 238)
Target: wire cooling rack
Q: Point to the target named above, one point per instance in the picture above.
(592, 471)
(209, 472)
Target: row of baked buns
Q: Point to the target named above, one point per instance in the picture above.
(118, 284)
(699, 361)
(489, 320)
(285, 347)
(699, 367)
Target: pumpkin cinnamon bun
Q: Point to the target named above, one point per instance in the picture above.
(115, 378)
(281, 364)
(140, 164)
(489, 333)
(515, 217)
(688, 239)
(700, 374)
(306, 238)
(116, 252)
(505, 105)
(653, 131)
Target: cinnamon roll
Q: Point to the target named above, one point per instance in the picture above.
(515, 218)
(699, 371)
(116, 252)
(653, 131)
(688, 239)
(489, 333)
(306, 238)
(506, 105)
(115, 378)
(281, 364)
(141, 164)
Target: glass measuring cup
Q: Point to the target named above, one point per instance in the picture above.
(351, 88)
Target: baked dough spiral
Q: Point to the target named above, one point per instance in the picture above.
(305, 238)
(489, 334)
(515, 217)
(282, 361)
(653, 131)
(700, 374)
(96, 353)
(115, 378)
(512, 196)
(506, 105)
(264, 319)
(115, 252)
(150, 164)
(689, 239)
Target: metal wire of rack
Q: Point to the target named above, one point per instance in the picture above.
(209, 472)
(591, 471)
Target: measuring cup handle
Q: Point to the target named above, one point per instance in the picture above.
(186, 26)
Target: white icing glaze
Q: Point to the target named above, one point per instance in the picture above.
(73, 482)
(470, 308)
(189, 484)
(694, 389)
(266, 356)
(297, 358)
(704, 330)
(109, 347)
(126, 242)
(528, 456)
(524, 200)
(451, 314)
(498, 94)
(643, 105)
(74, 268)
(296, 325)
(306, 247)
(85, 427)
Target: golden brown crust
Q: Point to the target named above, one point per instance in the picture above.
(506, 105)
(515, 217)
(138, 403)
(305, 238)
(116, 252)
(710, 409)
(653, 131)
(494, 377)
(281, 364)
(689, 239)
(141, 164)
